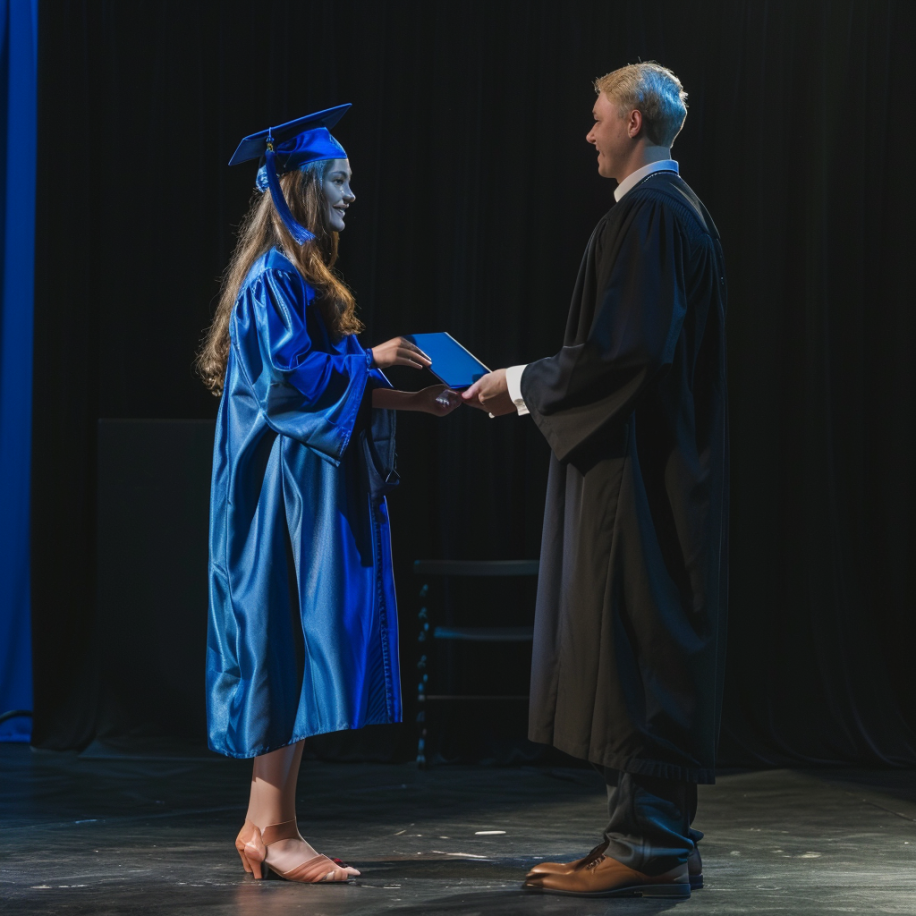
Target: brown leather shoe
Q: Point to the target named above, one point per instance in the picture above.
(605, 877)
(694, 866)
(564, 868)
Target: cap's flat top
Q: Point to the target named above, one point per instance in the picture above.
(254, 146)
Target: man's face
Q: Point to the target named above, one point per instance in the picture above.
(609, 135)
(337, 193)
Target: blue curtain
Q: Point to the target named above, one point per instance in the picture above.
(18, 79)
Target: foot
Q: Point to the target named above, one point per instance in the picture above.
(606, 877)
(565, 868)
(282, 848)
(285, 855)
(694, 866)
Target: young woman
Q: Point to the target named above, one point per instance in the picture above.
(302, 626)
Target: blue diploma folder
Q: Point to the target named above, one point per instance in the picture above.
(452, 364)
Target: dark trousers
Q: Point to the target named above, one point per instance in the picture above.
(649, 828)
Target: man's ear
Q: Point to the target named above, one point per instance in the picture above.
(634, 123)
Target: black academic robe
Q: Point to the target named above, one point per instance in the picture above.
(630, 621)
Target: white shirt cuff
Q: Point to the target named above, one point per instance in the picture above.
(514, 384)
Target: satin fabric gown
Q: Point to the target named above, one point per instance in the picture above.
(302, 635)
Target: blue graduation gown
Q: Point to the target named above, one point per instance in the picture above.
(302, 635)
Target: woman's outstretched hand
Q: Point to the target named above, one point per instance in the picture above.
(399, 352)
(439, 400)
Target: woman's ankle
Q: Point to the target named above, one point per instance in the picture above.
(262, 820)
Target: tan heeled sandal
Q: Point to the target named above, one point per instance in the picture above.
(249, 834)
(252, 844)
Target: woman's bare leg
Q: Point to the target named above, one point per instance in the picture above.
(272, 800)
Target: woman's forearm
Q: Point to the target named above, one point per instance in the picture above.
(395, 400)
(436, 400)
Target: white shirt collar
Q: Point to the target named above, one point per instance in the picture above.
(633, 179)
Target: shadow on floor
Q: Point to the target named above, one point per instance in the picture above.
(893, 783)
(520, 901)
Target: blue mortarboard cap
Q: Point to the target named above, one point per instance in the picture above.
(289, 147)
(304, 137)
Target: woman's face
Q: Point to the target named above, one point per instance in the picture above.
(337, 193)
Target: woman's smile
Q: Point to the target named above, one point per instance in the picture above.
(337, 192)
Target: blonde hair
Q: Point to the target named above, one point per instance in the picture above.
(653, 90)
(261, 230)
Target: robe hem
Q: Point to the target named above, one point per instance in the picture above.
(637, 765)
(266, 749)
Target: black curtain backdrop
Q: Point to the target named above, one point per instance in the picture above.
(476, 193)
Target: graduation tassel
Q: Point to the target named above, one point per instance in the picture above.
(297, 231)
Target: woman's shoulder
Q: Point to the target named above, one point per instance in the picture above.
(275, 269)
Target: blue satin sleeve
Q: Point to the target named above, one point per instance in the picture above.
(302, 390)
(377, 378)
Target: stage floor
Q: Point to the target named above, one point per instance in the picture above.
(113, 836)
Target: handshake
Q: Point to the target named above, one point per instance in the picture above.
(489, 393)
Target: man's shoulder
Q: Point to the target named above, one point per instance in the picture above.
(670, 192)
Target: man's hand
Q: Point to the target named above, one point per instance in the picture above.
(491, 394)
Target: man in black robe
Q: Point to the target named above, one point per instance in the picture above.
(630, 622)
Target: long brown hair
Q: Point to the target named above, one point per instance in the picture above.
(261, 230)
